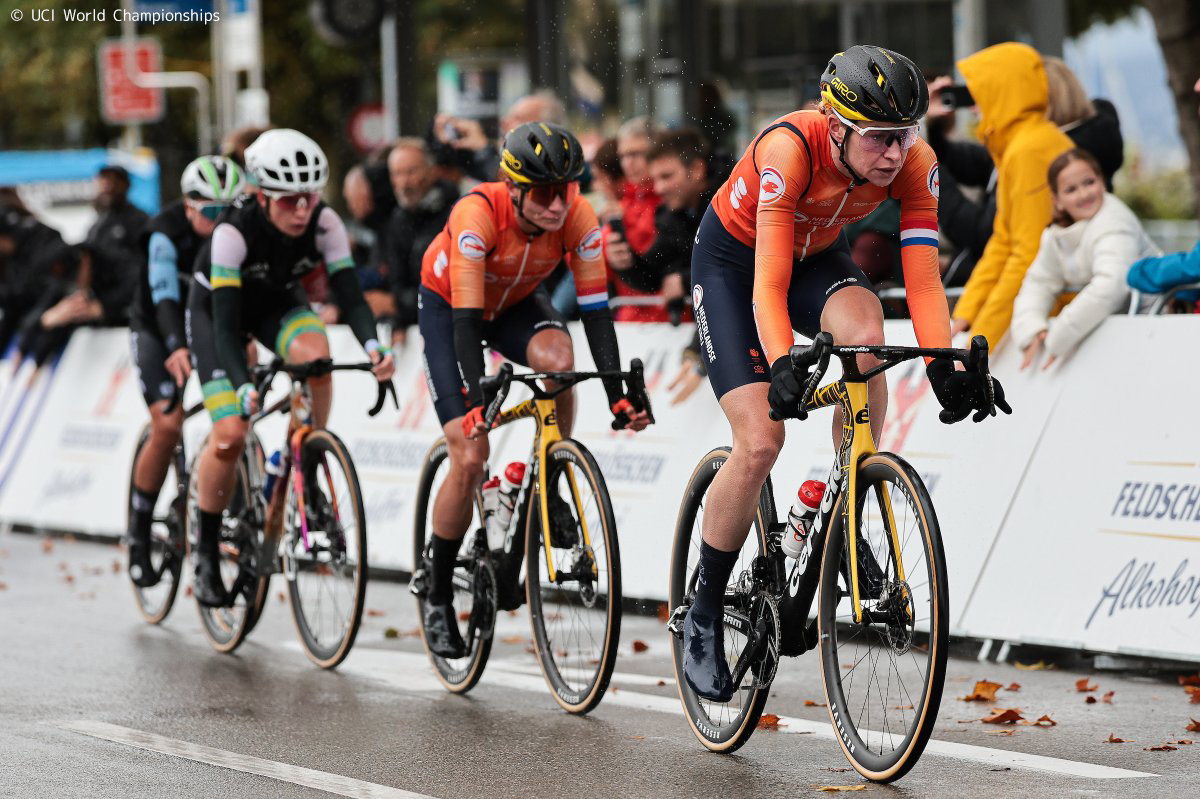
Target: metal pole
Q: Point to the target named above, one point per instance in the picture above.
(167, 80)
(390, 68)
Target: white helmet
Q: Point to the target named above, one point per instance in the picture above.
(212, 178)
(285, 160)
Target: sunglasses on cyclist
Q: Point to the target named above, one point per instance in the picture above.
(292, 202)
(209, 211)
(545, 195)
(878, 140)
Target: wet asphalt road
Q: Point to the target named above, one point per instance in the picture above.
(79, 668)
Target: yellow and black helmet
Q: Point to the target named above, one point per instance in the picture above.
(873, 84)
(541, 153)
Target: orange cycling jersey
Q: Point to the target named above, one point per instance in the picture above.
(483, 260)
(787, 199)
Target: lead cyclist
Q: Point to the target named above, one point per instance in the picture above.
(771, 257)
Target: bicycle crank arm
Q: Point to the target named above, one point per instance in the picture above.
(753, 651)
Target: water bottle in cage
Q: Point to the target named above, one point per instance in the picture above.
(800, 517)
(506, 501)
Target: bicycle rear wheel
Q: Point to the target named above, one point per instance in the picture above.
(883, 676)
(721, 727)
(576, 616)
(475, 587)
(327, 574)
(167, 545)
(241, 538)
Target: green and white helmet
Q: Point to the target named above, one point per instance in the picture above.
(213, 178)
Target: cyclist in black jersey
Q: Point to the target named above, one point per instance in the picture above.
(171, 242)
(248, 281)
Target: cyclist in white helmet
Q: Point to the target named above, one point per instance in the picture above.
(171, 241)
(248, 283)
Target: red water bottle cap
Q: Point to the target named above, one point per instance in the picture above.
(810, 494)
(515, 472)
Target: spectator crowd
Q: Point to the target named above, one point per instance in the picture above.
(1033, 239)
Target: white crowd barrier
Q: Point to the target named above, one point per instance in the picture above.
(1071, 523)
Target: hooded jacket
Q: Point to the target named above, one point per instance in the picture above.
(1090, 257)
(1008, 82)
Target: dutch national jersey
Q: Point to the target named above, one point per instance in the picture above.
(787, 199)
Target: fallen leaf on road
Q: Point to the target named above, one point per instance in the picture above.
(282, 597)
(1091, 700)
(69, 539)
(48, 546)
(62, 566)
(464, 615)
(1006, 733)
(3, 586)
(514, 639)
(769, 721)
(70, 578)
(1014, 687)
(1044, 721)
(187, 591)
(553, 617)
(984, 692)
(836, 788)
(640, 646)
(811, 703)
(1194, 726)
(116, 567)
(1083, 686)
(902, 707)
(512, 613)
(1008, 716)
(375, 614)
(391, 632)
(1107, 698)
(1041, 665)
(560, 653)
(1113, 739)
(636, 738)
(835, 770)
(1189, 679)
(661, 683)
(1194, 693)
(664, 611)
(1183, 742)
(1163, 748)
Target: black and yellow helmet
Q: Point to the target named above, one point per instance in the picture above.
(541, 153)
(873, 84)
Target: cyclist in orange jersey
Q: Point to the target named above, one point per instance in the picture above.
(481, 279)
(771, 257)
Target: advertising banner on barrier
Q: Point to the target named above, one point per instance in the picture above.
(1101, 549)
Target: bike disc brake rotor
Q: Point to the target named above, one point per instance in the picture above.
(898, 605)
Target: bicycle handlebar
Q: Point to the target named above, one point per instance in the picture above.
(818, 353)
(263, 374)
(496, 386)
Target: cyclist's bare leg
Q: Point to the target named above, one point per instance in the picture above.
(733, 496)
(455, 499)
(217, 466)
(154, 459)
(551, 351)
(854, 317)
(307, 347)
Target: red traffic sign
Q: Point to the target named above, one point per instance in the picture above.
(121, 100)
(366, 129)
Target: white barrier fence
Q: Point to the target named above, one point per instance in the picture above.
(1072, 523)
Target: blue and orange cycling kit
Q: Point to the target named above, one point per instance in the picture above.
(481, 280)
(771, 252)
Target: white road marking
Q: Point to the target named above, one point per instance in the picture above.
(404, 670)
(296, 775)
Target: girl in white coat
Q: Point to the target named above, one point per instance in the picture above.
(1088, 249)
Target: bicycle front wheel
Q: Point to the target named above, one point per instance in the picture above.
(720, 726)
(883, 674)
(325, 550)
(573, 579)
(166, 543)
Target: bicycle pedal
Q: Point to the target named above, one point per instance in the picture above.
(675, 623)
(416, 585)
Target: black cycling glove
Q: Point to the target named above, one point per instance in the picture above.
(786, 390)
(961, 392)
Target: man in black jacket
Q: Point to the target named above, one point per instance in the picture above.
(679, 167)
(422, 207)
(116, 234)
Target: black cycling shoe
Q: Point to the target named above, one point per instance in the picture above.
(441, 631)
(564, 531)
(141, 570)
(704, 665)
(208, 588)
